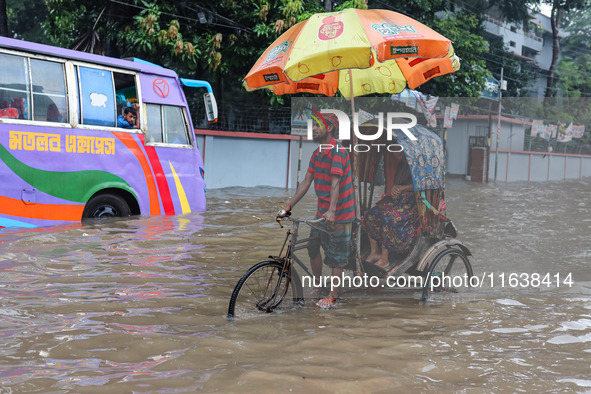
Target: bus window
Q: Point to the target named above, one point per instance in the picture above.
(154, 121)
(97, 97)
(15, 87)
(125, 91)
(166, 123)
(49, 91)
(175, 130)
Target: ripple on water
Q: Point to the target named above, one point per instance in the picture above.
(139, 305)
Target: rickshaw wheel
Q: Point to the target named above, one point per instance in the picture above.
(262, 288)
(450, 271)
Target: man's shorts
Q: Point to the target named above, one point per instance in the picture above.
(336, 247)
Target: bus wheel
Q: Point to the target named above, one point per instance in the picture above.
(103, 206)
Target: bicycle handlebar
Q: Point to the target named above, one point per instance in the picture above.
(286, 215)
(283, 213)
(313, 221)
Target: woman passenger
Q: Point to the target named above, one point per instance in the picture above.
(393, 223)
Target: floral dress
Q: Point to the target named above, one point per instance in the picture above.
(394, 222)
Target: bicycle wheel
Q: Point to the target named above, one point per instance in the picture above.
(262, 288)
(449, 271)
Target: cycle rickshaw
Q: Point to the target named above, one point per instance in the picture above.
(436, 254)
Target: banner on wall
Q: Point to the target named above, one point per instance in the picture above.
(550, 131)
(455, 108)
(537, 128)
(447, 120)
(577, 131)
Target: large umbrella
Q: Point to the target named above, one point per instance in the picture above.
(370, 51)
(356, 52)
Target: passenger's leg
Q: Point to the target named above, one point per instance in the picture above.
(383, 261)
(372, 224)
(374, 253)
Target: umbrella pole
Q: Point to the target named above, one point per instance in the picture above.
(356, 180)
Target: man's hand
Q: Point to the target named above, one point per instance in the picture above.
(329, 218)
(283, 213)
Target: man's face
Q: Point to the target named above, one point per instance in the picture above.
(129, 117)
(319, 133)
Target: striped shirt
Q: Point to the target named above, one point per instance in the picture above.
(333, 162)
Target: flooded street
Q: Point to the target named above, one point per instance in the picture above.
(140, 305)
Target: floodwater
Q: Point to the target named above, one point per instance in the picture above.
(140, 305)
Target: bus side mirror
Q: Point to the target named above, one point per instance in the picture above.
(211, 107)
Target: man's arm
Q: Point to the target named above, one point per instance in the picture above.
(335, 184)
(301, 191)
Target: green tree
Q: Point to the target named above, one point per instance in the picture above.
(574, 68)
(463, 29)
(574, 78)
(118, 29)
(425, 11)
(3, 19)
(512, 10)
(559, 7)
(25, 20)
(220, 41)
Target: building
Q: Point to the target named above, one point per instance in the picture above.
(473, 140)
(531, 41)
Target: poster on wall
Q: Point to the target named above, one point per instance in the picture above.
(537, 127)
(455, 108)
(447, 120)
(563, 133)
(550, 132)
(577, 131)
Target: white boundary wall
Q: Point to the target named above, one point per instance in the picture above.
(252, 159)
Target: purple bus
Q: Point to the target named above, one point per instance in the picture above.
(86, 136)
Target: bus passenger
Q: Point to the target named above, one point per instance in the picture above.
(53, 114)
(130, 118)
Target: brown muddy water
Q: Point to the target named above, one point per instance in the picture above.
(140, 305)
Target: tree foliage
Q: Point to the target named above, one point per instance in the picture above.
(464, 30)
(574, 77)
(559, 7)
(145, 29)
(512, 10)
(3, 18)
(574, 69)
(222, 40)
(25, 18)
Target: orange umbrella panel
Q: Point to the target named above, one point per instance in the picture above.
(268, 70)
(393, 35)
(381, 50)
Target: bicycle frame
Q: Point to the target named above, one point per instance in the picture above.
(272, 278)
(293, 244)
